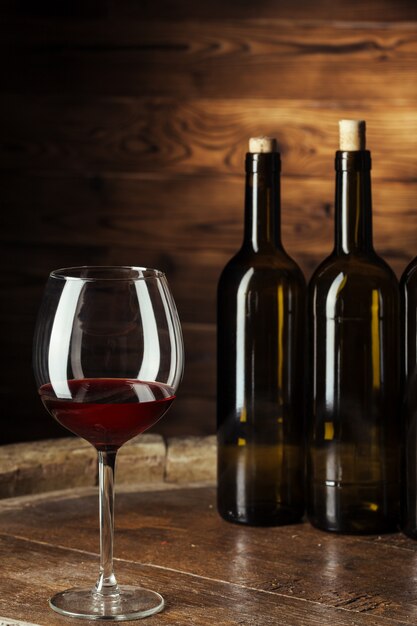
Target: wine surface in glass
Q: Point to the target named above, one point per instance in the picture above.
(107, 412)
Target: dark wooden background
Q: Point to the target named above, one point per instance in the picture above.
(123, 130)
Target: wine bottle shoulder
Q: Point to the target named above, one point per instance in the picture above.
(260, 274)
(409, 276)
(360, 270)
(274, 267)
(342, 289)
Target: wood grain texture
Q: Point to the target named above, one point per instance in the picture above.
(216, 59)
(198, 215)
(174, 541)
(196, 137)
(123, 129)
(208, 601)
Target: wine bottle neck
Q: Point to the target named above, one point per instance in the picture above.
(353, 204)
(262, 202)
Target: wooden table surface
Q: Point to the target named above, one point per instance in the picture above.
(209, 571)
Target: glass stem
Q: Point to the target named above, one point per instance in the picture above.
(106, 584)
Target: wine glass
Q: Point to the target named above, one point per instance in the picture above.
(108, 358)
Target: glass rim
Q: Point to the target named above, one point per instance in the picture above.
(76, 273)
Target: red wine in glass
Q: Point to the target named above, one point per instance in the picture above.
(108, 357)
(107, 412)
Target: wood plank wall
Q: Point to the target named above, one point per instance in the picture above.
(123, 129)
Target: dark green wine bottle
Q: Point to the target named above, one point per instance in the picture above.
(353, 460)
(260, 395)
(409, 369)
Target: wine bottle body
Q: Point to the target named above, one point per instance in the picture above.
(409, 386)
(353, 462)
(261, 312)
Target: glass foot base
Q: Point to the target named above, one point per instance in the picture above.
(129, 603)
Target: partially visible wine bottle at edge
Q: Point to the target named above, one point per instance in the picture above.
(260, 395)
(409, 380)
(353, 460)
